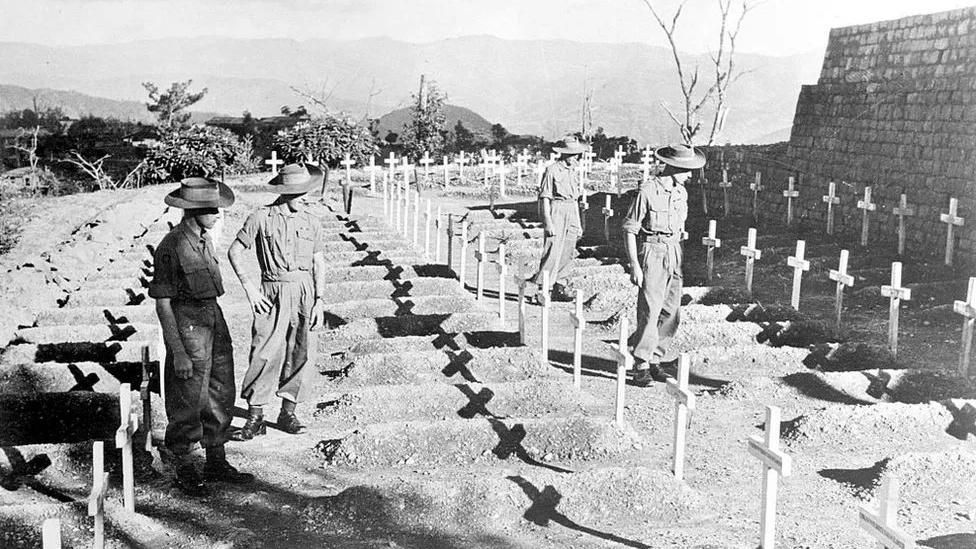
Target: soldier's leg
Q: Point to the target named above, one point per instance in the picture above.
(650, 301)
(670, 317)
(294, 375)
(217, 412)
(185, 398)
(571, 232)
(268, 340)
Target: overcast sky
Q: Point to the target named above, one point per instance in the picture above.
(775, 27)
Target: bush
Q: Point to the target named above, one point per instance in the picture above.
(198, 151)
(325, 140)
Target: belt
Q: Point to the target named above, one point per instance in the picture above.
(287, 276)
(658, 237)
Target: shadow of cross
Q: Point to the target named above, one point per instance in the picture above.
(477, 402)
(134, 298)
(372, 258)
(963, 423)
(769, 332)
(82, 382)
(877, 384)
(23, 472)
(112, 319)
(543, 511)
(510, 442)
(457, 361)
(121, 333)
(359, 246)
(404, 307)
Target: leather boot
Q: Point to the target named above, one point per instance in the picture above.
(188, 480)
(289, 423)
(218, 469)
(253, 427)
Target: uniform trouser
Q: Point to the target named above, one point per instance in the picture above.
(199, 408)
(280, 342)
(560, 248)
(658, 300)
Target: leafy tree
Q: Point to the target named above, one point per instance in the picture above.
(170, 106)
(424, 132)
(464, 139)
(325, 140)
(498, 134)
(48, 119)
(198, 151)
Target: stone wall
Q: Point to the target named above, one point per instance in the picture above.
(894, 108)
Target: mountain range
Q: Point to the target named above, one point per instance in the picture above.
(532, 87)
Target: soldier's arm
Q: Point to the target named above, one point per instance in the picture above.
(631, 227)
(182, 365)
(259, 303)
(318, 278)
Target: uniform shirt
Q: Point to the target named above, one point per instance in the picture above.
(286, 240)
(185, 266)
(559, 182)
(661, 206)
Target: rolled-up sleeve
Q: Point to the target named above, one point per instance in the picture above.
(548, 185)
(635, 214)
(165, 273)
(249, 231)
(317, 232)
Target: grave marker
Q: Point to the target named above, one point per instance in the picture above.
(756, 188)
(464, 253)
(462, 160)
(274, 162)
(426, 161)
(726, 185)
(391, 164)
(438, 229)
(540, 170)
(751, 253)
(123, 441)
(486, 172)
(775, 463)
(952, 220)
(348, 163)
(450, 241)
(625, 361)
(481, 258)
(790, 193)
(447, 171)
(416, 218)
(883, 526)
(712, 242)
(576, 317)
(501, 170)
(843, 279)
(502, 275)
(684, 402)
(902, 210)
(607, 216)
(386, 199)
(347, 186)
(866, 206)
(372, 175)
(406, 202)
(522, 162)
(427, 232)
(51, 533)
(647, 157)
(799, 265)
(395, 197)
(521, 309)
(895, 293)
(96, 498)
(544, 300)
(967, 309)
(704, 190)
(830, 199)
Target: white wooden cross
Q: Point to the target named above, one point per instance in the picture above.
(726, 185)
(416, 217)
(576, 317)
(274, 162)
(647, 158)
(684, 402)
(952, 220)
(123, 441)
(799, 265)
(372, 174)
(775, 463)
(348, 163)
(895, 292)
(407, 192)
(615, 179)
(464, 253)
(391, 164)
(407, 168)
(625, 361)
(619, 154)
(427, 222)
(751, 253)
(866, 206)
(756, 187)
(447, 171)
(967, 309)
(842, 279)
(501, 170)
(553, 157)
(902, 210)
(502, 266)
(522, 162)
(607, 216)
(830, 199)
(51, 533)
(540, 170)
(438, 229)
(426, 161)
(486, 166)
(790, 193)
(711, 241)
(395, 204)
(544, 301)
(96, 498)
(386, 197)
(461, 161)
(481, 257)
(521, 281)
(883, 525)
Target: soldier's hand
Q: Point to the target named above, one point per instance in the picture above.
(182, 366)
(636, 276)
(259, 303)
(318, 316)
(549, 232)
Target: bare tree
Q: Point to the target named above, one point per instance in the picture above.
(696, 102)
(94, 170)
(26, 142)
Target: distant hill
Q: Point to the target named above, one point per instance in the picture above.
(74, 104)
(395, 120)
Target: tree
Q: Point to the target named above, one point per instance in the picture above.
(170, 106)
(198, 151)
(48, 119)
(696, 102)
(464, 139)
(326, 140)
(424, 132)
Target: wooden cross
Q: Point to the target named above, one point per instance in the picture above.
(522, 162)
(406, 202)
(450, 241)
(274, 162)
(426, 161)
(830, 199)
(386, 197)
(396, 204)
(502, 275)
(725, 185)
(647, 157)
(619, 154)
(711, 241)
(576, 317)
(481, 257)
(968, 310)
(540, 170)
(427, 221)
(902, 210)
(842, 279)
(756, 187)
(372, 175)
(607, 215)
(464, 253)
(883, 525)
(501, 171)
(416, 218)
(952, 220)
(123, 441)
(486, 167)
(775, 463)
(521, 308)
(616, 178)
(625, 361)
(391, 164)
(543, 297)
(437, 235)
(751, 253)
(51, 533)
(461, 161)
(704, 190)
(799, 265)
(790, 193)
(348, 163)
(895, 292)
(553, 157)
(866, 206)
(96, 498)
(684, 402)
(447, 171)
(407, 168)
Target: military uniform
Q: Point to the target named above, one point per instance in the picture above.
(285, 242)
(657, 218)
(560, 184)
(198, 408)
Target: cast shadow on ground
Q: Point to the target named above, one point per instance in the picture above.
(594, 366)
(950, 541)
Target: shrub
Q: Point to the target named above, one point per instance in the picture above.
(198, 151)
(325, 140)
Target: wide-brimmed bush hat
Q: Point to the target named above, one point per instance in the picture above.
(570, 145)
(200, 192)
(681, 156)
(296, 179)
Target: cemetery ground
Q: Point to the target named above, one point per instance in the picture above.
(431, 426)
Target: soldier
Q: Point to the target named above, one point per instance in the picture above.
(199, 365)
(288, 304)
(656, 218)
(558, 196)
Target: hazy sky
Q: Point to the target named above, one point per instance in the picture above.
(775, 27)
